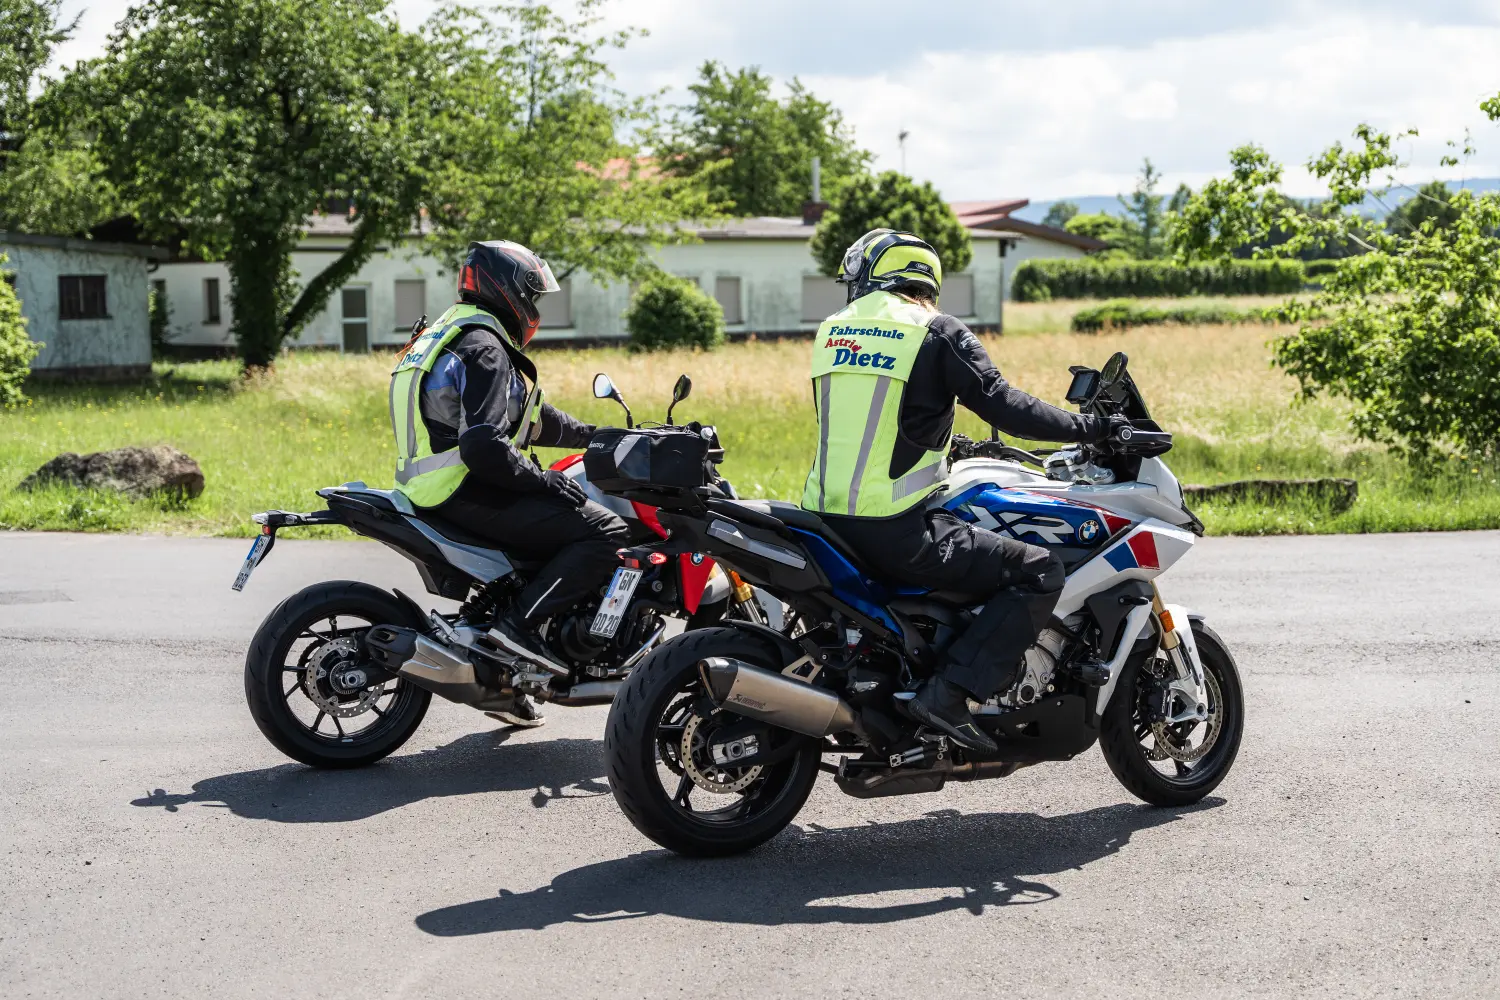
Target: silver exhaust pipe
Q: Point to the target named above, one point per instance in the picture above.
(436, 668)
(589, 693)
(757, 693)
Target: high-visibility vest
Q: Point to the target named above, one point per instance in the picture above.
(427, 477)
(862, 357)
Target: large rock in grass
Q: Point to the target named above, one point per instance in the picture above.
(135, 472)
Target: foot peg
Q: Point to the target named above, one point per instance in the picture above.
(1091, 672)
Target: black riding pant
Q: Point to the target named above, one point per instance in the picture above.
(579, 543)
(1018, 583)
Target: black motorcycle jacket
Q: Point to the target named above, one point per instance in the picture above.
(491, 397)
(952, 365)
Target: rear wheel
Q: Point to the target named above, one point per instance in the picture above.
(1174, 765)
(662, 773)
(307, 678)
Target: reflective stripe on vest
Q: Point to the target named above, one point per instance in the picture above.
(862, 358)
(426, 477)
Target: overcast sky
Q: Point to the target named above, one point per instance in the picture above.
(1045, 100)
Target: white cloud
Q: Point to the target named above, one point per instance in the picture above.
(1066, 99)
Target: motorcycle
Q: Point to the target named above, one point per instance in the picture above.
(718, 736)
(341, 673)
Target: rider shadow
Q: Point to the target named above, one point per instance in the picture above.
(292, 793)
(951, 861)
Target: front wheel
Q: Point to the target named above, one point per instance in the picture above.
(659, 754)
(1174, 765)
(308, 684)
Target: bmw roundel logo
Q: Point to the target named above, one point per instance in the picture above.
(1088, 530)
(697, 558)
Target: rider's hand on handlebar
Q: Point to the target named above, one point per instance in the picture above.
(1113, 425)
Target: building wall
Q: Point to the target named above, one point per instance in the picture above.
(771, 272)
(122, 341)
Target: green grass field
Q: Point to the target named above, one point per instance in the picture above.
(321, 420)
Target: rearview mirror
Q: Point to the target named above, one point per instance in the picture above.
(1114, 368)
(604, 388)
(679, 393)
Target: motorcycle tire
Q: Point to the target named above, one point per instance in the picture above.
(265, 669)
(1127, 758)
(663, 679)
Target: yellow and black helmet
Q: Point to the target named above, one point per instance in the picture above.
(883, 259)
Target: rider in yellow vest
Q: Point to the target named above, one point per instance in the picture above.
(887, 370)
(459, 396)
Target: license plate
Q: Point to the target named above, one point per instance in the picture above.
(612, 611)
(257, 549)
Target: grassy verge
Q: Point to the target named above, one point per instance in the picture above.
(321, 420)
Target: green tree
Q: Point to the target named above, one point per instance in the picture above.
(538, 148)
(1059, 212)
(16, 347)
(49, 178)
(1432, 203)
(1144, 227)
(238, 121)
(1406, 330)
(891, 201)
(668, 311)
(754, 151)
(1099, 226)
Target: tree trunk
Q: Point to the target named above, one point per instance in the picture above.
(260, 280)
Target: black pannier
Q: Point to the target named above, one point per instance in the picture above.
(651, 458)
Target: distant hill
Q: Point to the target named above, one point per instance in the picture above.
(1109, 205)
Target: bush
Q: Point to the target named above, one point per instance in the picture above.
(1089, 278)
(1320, 268)
(16, 348)
(1120, 314)
(672, 312)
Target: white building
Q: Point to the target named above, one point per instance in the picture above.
(760, 271)
(86, 301)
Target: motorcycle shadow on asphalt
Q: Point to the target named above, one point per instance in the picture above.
(292, 793)
(816, 876)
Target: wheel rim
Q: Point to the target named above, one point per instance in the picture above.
(315, 675)
(696, 788)
(1188, 753)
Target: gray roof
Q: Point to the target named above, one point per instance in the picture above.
(85, 246)
(775, 227)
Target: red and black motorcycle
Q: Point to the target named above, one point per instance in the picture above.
(341, 673)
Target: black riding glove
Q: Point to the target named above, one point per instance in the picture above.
(565, 487)
(1108, 427)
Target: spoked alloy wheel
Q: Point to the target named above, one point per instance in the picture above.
(309, 683)
(1174, 764)
(659, 754)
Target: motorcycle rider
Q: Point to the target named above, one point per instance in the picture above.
(466, 376)
(887, 370)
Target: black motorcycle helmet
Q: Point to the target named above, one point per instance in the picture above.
(505, 279)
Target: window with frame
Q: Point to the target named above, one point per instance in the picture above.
(411, 303)
(957, 296)
(727, 294)
(82, 296)
(556, 308)
(211, 313)
(821, 298)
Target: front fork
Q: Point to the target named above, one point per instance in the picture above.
(1186, 688)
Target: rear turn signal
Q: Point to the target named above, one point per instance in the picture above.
(657, 558)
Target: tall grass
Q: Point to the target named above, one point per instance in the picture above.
(321, 419)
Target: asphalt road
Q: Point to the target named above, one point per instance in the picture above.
(154, 844)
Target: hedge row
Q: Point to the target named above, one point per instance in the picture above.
(1119, 314)
(1086, 278)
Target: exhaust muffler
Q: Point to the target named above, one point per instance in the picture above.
(757, 693)
(432, 666)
